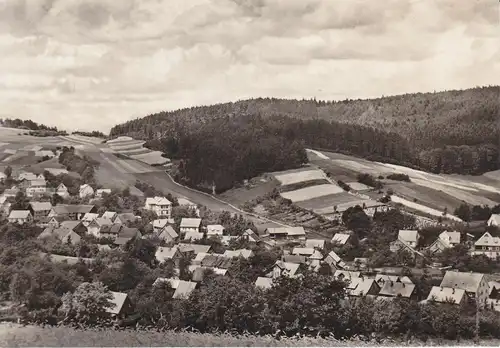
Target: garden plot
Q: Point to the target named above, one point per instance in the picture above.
(84, 139)
(151, 158)
(327, 201)
(294, 178)
(311, 192)
(357, 186)
(423, 208)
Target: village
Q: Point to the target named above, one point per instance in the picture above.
(187, 241)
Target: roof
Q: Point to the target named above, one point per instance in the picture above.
(190, 223)
(90, 216)
(109, 215)
(161, 223)
(168, 232)
(60, 233)
(157, 201)
(408, 236)
(452, 237)
(291, 231)
(61, 209)
(182, 288)
(86, 187)
(303, 251)
(493, 285)
(487, 240)
(215, 229)
(315, 243)
(40, 206)
(294, 259)
(346, 274)
(118, 300)
(70, 224)
(495, 219)
(264, 283)
(360, 286)
(289, 268)
(122, 240)
(38, 182)
(216, 260)
(252, 236)
(199, 258)
(164, 253)
(19, 214)
(394, 289)
(245, 253)
(444, 294)
(100, 221)
(468, 281)
(197, 248)
(341, 238)
(381, 278)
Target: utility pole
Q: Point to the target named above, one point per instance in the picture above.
(476, 339)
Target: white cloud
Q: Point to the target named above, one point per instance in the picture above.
(94, 63)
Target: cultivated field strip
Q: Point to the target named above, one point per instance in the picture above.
(327, 201)
(151, 158)
(293, 178)
(423, 208)
(311, 192)
(132, 167)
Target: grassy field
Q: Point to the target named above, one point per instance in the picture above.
(327, 201)
(312, 192)
(134, 148)
(296, 177)
(13, 335)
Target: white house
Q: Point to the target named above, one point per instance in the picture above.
(444, 241)
(409, 237)
(494, 220)
(110, 215)
(37, 187)
(286, 233)
(215, 230)
(474, 284)
(62, 190)
(487, 245)
(88, 218)
(20, 216)
(86, 191)
(99, 193)
(160, 224)
(160, 205)
(190, 225)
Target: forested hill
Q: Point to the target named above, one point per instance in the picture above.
(450, 132)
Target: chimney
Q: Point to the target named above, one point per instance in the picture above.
(441, 288)
(392, 283)
(453, 291)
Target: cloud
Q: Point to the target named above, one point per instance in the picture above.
(94, 63)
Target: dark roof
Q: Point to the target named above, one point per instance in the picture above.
(112, 229)
(294, 258)
(218, 261)
(72, 208)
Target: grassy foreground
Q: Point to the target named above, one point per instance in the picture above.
(14, 335)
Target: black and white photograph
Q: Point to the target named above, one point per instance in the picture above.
(249, 173)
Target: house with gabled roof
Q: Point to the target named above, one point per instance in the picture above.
(168, 234)
(264, 283)
(62, 190)
(65, 235)
(163, 254)
(397, 289)
(362, 286)
(487, 245)
(199, 272)
(40, 210)
(160, 224)
(20, 217)
(286, 269)
(88, 218)
(193, 235)
(334, 261)
(409, 237)
(75, 226)
(193, 249)
(315, 243)
(183, 289)
(190, 225)
(244, 253)
(215, 230)
(444, 241)
(72, 211)
(494, 220)
(289, 233)
(441, 294)
(110, 215)
(86, 191)
(160, 205)
(251, 236)
(475, 284)
(346, 275)
(36, 188)
(121, 306)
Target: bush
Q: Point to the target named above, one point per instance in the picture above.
(399, 177)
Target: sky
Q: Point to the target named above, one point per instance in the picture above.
(91, 64)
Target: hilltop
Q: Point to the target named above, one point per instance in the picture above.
(446, 132)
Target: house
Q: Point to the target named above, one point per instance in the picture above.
(72, 211)
(192, 236)
(298, 259)
(27, 176)
(446, 295)
(86, 191)
(310, 253)
(474, 284)
(410, 237)
(65, 235)
(121, 306)
(110, 215)
(36, 188)
(4, 206)
(193, 249)
(216, 261)
(75, 226)
(362, 286)
(285, 269)
(264, 283)
(163, 254)
(494, 290)
(244, 253)
(487, 245)
(94, 227)
(190, 225)
(55, 221)
(40, 210)
(160, 205)
(62, 190)
(215, 230)
(396, 289)
(444, 241)
(384, 278)
(88, 218)
(340, 238)
(126, 218)
(494, 220)
(334, 261)
(168, 234)
(183, 202)
(250, 236)
(115, 231)
(100, 192)
(199, 258)
(286, 233)
(12, 192)
(183, 289)
(20, 217)
(315, 243)
(160, 224)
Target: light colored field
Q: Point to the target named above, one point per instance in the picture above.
(327, 201)
(353, 165)
(151, 158)
(357, 186)
(311, 192)
(423, 208)
(119, 139)
(84, 139)
(317, 153)
(132, 167)
(293, 178)
(135, 145)
(135, 151)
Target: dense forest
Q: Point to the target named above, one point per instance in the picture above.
(445, 132)
(26, 124)
(96, 134)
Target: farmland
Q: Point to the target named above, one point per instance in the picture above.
(134, 149)
(289, 178)
(311, 192)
